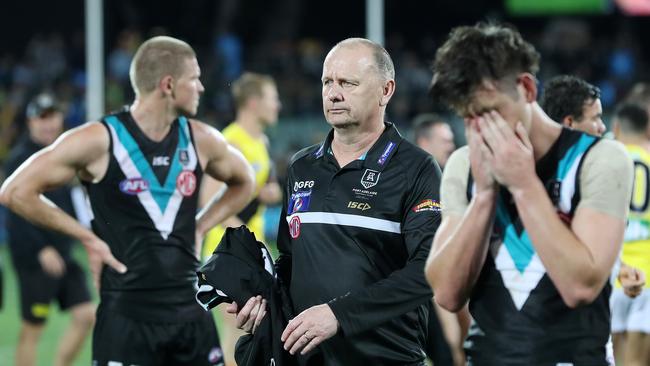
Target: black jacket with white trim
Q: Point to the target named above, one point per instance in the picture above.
(357, 238)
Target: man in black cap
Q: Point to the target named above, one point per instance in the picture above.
(44, 265)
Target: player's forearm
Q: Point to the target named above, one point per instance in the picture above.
(568, 262)
(455, 264)
(40, 211)
(234, 199)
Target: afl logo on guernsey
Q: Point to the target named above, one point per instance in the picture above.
(134, 186)
(294, 227)
(186, 183)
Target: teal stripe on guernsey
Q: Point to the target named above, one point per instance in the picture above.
(520, 247)
(161, 193)
(574, 152)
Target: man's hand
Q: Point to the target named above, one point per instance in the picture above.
(270, 194)
(251, 315)
(51, 261)
(632, 280)
(478, 164)
(99, 254)
(309, 329)
(509, 153)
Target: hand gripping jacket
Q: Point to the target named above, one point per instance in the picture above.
(240, 268)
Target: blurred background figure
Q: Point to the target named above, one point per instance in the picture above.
(257, 104)
(46, 271)
(434, 135)
(640, 95)
(574, 103)
(631, 316)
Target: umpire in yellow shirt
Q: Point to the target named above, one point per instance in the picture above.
(257, 103)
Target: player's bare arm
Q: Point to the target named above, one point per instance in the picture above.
(224, 163)
(82, 151)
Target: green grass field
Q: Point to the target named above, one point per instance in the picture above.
(10, 320)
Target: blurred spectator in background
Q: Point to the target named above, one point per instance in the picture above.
(434, 135)
(640, 95)
(44, 265)
(445, 337)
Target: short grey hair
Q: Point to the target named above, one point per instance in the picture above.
(383, 61)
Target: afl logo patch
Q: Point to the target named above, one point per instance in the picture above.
(186, 183)
(133, 186)
(294, 227)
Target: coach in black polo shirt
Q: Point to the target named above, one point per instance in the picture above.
(361, 212)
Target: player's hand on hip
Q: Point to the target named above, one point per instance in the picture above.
(250, 316)
(51, 261)
(481, 172)
(309, 329)
(509, 154)
(99, 254)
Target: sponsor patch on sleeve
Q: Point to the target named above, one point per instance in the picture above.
(299, 202)
(427, 205)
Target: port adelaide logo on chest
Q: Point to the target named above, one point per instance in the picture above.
(370, 178)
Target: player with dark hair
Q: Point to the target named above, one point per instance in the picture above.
(574, 103)
(533, 213)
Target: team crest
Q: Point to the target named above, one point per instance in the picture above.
(370, 178)
(183, 156)
(186, 183)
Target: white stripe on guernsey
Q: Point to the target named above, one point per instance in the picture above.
(164, 223)
(177, 198)
(568, 187)
(347, 220)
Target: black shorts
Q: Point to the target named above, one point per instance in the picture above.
(38, 289)
(122, 340)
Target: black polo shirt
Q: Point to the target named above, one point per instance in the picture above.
(357, 238)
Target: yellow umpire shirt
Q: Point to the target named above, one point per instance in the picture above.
(636, 245)
(256, 153)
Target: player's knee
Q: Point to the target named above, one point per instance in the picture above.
(84, 315)
(31, 332)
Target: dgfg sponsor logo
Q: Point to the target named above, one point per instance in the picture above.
(359, 205)
(303, 184)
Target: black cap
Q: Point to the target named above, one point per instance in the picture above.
(41, 105)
